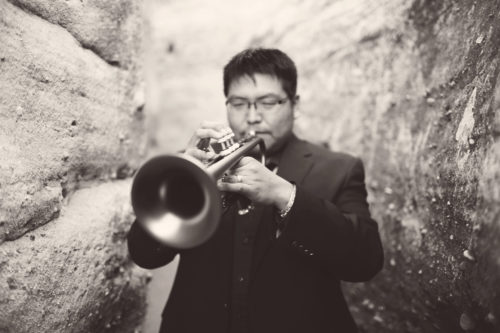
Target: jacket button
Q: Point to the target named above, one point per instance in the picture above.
(311, 254)
(295, 243)
(225, 305)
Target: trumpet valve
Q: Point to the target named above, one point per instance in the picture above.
(225, 145)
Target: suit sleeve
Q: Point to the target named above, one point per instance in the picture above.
(145, 251)
(338, 235)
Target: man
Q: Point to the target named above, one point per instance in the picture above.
(277, 268)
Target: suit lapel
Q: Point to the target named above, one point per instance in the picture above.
(294, 164)
(295, 161)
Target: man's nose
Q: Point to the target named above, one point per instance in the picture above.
(253, 116)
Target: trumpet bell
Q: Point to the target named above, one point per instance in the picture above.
(176, 200)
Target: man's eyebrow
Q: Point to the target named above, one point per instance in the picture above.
(231, 97)
(237, 97)
(269, 95)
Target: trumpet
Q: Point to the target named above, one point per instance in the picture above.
(175, 197)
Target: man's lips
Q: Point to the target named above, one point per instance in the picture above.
(257, 133)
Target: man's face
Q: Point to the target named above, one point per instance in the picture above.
(272, 120)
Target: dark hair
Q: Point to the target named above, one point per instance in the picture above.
(262, 61)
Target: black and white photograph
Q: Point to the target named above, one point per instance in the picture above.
(266, 166)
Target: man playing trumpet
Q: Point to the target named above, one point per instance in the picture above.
(277, 267)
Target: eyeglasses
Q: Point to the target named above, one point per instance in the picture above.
(266, 103)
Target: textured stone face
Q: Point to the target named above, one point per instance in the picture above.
(71, 126)
(66, 116)
(414, 97)
(107, 28)
(73, 274)
(410, 87)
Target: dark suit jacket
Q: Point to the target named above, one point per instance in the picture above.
(295, 279)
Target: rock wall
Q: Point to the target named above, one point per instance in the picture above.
(410, 87)
(71, 134)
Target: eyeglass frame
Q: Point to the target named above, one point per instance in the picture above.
(280, 101)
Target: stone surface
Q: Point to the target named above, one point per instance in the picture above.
(66, 116)
(73, 274)
(107, 28)
(410, 87)
(71, 128)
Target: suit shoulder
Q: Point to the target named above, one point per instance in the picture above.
(327, 156)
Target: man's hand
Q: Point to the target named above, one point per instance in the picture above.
(207, 130)
(253, 180)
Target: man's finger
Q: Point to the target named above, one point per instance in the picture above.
(219, 127)
(232, 187)
(247, 161)
(199, 154)
(232, 170)
(232, 179)
(203, 133)
(242, 164)
(212, 124)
